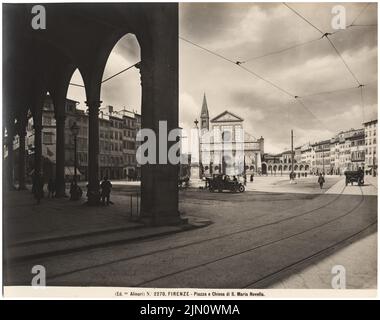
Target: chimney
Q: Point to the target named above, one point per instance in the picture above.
(110, 110)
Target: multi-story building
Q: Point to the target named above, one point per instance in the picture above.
(307, 155)
(117, 146)
(345, 151)
(132, 123)
(348, 151)
(357, 150)
(370, 136)
(48, 139)
(321, 163)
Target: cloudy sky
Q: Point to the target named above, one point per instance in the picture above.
(244, 31)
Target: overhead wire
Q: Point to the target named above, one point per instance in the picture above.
(110, 77)
(344, 61)
(239, 63)
(360, 13)
(303, 18)
(281, 50)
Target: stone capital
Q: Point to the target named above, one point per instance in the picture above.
(93, 103)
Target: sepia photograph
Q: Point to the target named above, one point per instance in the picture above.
(189, 150)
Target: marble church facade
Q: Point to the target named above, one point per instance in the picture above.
(225, 147)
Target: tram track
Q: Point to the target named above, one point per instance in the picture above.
(144, 283)
(256, 283)
(204, 240)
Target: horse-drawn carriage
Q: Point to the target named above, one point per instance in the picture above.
(354, 176)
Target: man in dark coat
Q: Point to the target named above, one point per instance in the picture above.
(321, 180)
(106, 187)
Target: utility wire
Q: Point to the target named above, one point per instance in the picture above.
(297, 98)
(344, 61)
(237, 63)
(261, 78)
(209, 51)
(109, 78)
(303, 18)
(267, 81)
(312, 113)
(327, 92)
(362, 25)
(360, 13)
(281, 50)
(76, 85)
(309, 41)
(120, 72)
(326, 35)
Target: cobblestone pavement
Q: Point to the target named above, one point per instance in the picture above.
(255, 239)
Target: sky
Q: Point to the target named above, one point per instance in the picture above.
(241, 31)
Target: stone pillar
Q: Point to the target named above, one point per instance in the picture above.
(93, 152)
(21, 158)
(60, 156)
(159, 75)
(195, 165)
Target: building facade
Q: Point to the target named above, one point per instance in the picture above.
(348, 150)
(370, 136)
(225, 147)
(117, 141)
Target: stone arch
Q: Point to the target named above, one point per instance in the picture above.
(89, 34)
(264, 168)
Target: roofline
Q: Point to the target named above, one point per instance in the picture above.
(370, 121)
(224, 112)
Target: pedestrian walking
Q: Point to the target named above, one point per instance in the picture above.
(321, 180)
(106, 187)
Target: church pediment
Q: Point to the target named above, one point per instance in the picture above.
(248, 137)
(227, 116)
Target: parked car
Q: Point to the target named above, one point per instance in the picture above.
(354, 176)
(222, 182)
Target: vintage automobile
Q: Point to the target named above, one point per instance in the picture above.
(354, 176)
(222, 182)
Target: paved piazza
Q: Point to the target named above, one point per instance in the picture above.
(275, 235)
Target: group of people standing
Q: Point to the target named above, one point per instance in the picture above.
(75, 190)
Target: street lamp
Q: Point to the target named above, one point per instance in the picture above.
(75, 131)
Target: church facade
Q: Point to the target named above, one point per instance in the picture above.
(225, 147)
